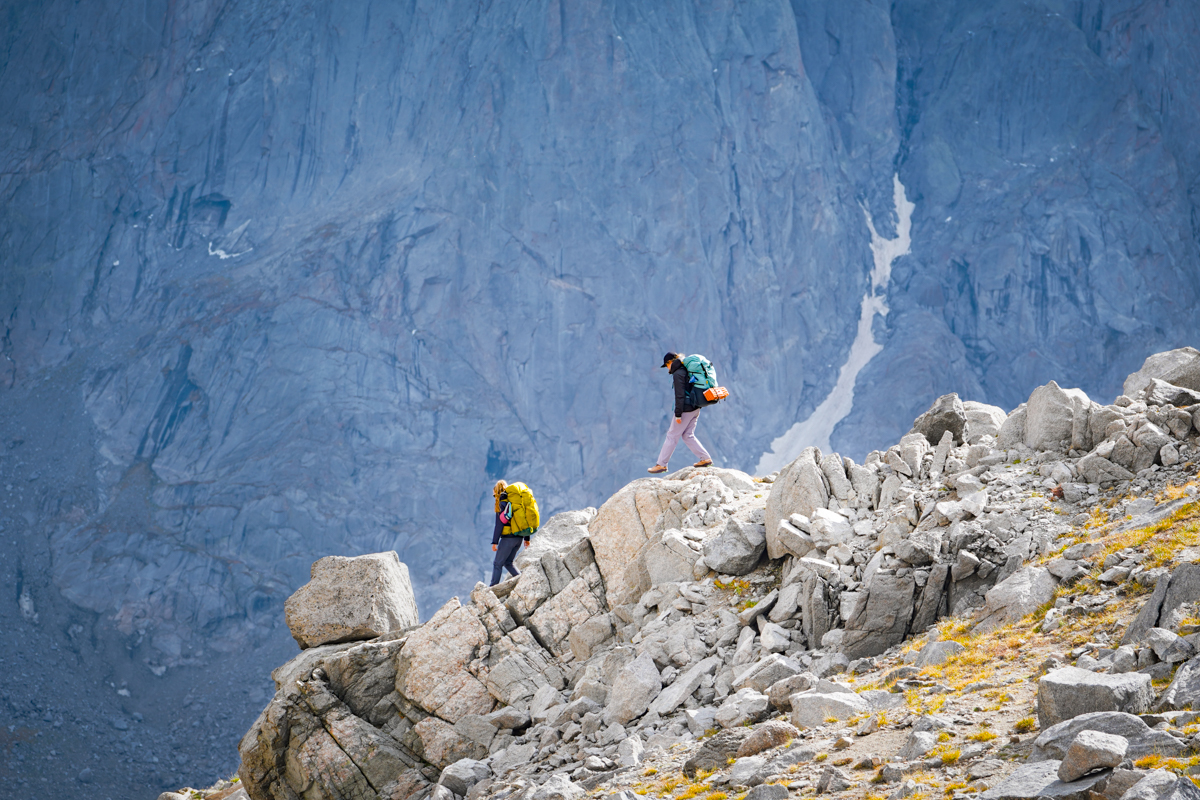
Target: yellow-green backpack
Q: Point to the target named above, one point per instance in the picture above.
(525, 519)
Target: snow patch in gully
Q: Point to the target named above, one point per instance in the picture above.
(819, 426)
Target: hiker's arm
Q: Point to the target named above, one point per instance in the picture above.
(680, 391)
(496, 531)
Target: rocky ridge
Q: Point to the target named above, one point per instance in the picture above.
(668, 631)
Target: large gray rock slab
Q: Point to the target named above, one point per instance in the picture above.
(946, 414)
(1184, 691)
(637, 685)
(812, 708)
(671, 558)
(431, 669)
(714, 753)
(780, 692)
(1019, 594)
(1090, 751)
(559, 787)
(350, 598)
(982, 420)
(937, 652)
(673, 696)
(743, 706)
(463, 774)
(623, 529)
(800, 488)
(1040, 779)
(1170, 592)
(1180, 367)
(1068, 692)
(1056, 419)
(556, 535)
(768, 672)
(1052, 742)
(1161, 393)
(737, 549)
(882, 620)
(1160, 784)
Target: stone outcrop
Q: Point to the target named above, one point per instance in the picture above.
(1069, 692)
(669, 620)
(352, 598)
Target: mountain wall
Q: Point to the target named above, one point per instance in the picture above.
(280, 281)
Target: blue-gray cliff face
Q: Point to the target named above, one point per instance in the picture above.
(279, 281)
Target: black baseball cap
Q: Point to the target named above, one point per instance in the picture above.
(668, 358)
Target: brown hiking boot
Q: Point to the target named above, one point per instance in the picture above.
(656, 469)
(705, 463)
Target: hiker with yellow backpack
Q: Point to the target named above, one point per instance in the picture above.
(516, 520)
(695, 383)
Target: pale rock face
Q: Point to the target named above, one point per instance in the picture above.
(623, 528)
(582, 600)
(352, 598)
(829, 529)
(629, 751)
(1095, 468)
(1052, 742)
(637, 685)
(937, 652)
(1180, 367)
(810, 709)
(442, 745)
(833, 467)
(742, 706)
(882, 620)
(948, 413)
(672, 558)
(1184, 691)
(801, 487)
(1068, 692)
(737, 549)
(1017, 595)
(1162, 784)
(462, 775)
(558, 534)
(982, 420)
(768, 672)
(674, 695)
(791, 539)
(1056, 419)
(431, 670)
(1012, 432)
(1090, 751)
(919, 743)
(559, 787)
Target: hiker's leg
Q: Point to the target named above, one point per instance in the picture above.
(514, 546)
(690, 420)
(674, 431)
(504, 558)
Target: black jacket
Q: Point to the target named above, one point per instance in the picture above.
(682, 384)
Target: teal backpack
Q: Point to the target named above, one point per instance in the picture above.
(700, 372)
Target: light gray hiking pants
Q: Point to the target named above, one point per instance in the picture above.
(685, 430)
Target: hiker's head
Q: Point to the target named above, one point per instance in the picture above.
(499, 488)
(668, 358)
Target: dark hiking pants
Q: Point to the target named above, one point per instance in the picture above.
(506, 551)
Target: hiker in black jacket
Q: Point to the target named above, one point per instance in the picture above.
(505, 547)
(686, 417)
